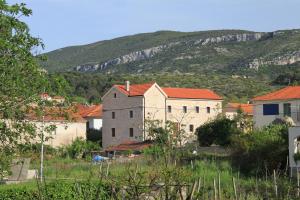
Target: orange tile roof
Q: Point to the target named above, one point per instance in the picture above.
(136, 89)
(190, 93)
(185, 93)
(290, 92)
(130, 145)
(55, 114)
(90, 111)
(246, 108)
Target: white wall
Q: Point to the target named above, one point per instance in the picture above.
(261, 120)
(192, 117)
(294, 133)
(95, 123)
(65, 133)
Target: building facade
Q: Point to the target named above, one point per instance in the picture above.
(283, 103)
(127, 109)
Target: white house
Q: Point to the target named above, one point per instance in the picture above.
(92, 114)
(283, 103)
(126, 109)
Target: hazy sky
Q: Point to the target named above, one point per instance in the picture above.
(63, 23)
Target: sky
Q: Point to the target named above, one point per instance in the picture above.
(61, 23)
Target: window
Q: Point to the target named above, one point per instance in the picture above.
(169, 109)
(197, 109)
(115, 95)
(287, 109)
(113, 115)
(191, 128)
(270, 109)
(131, 132)
(208, 109)
(113, 132)
(131, 114)
(184, 109)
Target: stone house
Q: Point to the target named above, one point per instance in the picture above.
(126, 109)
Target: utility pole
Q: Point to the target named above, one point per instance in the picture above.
(42, 140)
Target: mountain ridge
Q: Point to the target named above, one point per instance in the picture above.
(169, 51)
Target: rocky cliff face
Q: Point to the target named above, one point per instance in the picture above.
(150, 52)
(286, 59)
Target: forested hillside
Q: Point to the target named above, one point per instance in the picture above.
(235, 63)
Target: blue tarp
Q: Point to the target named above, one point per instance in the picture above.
(98, 158)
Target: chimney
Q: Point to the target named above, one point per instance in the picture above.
(127, 86)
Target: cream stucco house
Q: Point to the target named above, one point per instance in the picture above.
(283, 103)
(126, 108)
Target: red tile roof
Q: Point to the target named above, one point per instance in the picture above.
(130, 145)
(54, 114)
(184, 93)
(189, 93)
(246, 108)
(94, 111)
(135, 90)
(290, 92)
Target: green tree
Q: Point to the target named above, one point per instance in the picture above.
(22, 80)
(217, 131)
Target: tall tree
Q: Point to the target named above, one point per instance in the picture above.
(21, 79)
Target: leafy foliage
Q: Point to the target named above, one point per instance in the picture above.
(79, 148)
(261, 149)
(57, 190)
(21, 79)
(218, 131)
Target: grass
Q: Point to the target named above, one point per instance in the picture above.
(144, 169)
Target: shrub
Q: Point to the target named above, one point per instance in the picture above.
(94, 135)
(217, 131)
(57, 190)
(36, 148)
(79, 148)
(262, 149)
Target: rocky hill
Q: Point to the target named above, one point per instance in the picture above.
(225, 51)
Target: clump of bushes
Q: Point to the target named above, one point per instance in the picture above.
(57, 190)
(218, 131)
(262, 149)
(80, 148)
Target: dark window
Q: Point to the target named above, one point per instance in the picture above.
(169, 109)
(115, 95)
(287, 109)
(197, 109)
(131, 132)
(208, 109)
(113, 132)
(113, 115)
(191, 128)
(131, 114)
(184, 109)
(270, 109)
(87, 125)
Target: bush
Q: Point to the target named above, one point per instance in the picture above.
(94, 135)
(79, 148)
(262, 149)
(56, 190)
(36, 148)
(217, 131)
